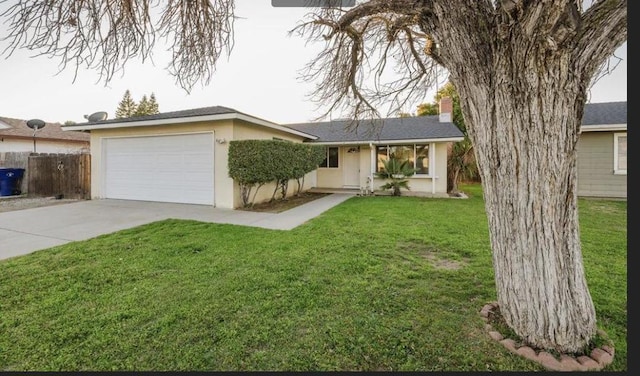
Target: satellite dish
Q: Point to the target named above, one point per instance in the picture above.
(97, 116)
(35, 124)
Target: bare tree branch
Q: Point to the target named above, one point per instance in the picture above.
(604, 30)
(352, 71)
(200, 31)
(104, 35)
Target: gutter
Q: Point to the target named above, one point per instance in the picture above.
(187, 119)
(389, 142)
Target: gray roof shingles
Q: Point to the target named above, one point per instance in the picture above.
(389, 129)
(203, 111)
(605, 113)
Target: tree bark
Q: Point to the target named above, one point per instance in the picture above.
(523, 117)
(531, 204)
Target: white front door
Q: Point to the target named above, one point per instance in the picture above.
(175, 168)
(351, 167)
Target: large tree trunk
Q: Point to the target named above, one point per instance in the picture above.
(533, 217)
(525, 138)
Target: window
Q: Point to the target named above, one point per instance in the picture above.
(620, 153)
(417, 155)
(331, 161)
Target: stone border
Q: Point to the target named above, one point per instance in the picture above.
(600, 357)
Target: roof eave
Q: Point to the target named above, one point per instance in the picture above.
(38, 138)
(391, 142)
(187, 119)
(603, 127)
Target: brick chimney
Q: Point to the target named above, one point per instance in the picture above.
(446, 110)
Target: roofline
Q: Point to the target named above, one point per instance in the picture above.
(391, 142)
(188, 119)
(30, 138)
(604, 127)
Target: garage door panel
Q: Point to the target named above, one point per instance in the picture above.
(177, 168)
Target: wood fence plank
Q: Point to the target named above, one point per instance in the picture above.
(60, 174)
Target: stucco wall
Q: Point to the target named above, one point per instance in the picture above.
(42, 146)
(226, 191)
(595, 167)
(223, 129)
(333, 177)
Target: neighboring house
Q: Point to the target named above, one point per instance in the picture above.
(602, 151)
(15, 136)
(356, 152)
(182, 156)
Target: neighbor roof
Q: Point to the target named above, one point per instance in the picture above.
(605, 113)
(184, 116)
(52, 131)
(418, 128)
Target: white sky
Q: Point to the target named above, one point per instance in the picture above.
(259, 77)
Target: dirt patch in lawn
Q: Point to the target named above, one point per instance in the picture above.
(434, 256)
(278, 206)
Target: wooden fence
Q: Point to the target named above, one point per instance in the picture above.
(59, 175)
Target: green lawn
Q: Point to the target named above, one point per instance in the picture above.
(377, 283)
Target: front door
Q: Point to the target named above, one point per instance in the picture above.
(351, 167)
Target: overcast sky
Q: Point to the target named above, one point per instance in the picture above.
(259, 78)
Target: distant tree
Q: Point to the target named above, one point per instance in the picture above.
(425, 109)
(153, 105)
(404, 114)
(127, 106)
(143, 107)
(69, 122)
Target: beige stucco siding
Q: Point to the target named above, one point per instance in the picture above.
(247, 131)
(8, 144)
(334, 177)
(596, 177)
(223, 129)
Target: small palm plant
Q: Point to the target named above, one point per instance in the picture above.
(396, 171)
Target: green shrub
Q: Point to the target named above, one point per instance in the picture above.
(253, 163)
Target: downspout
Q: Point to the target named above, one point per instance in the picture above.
(372, 152)
(432, 151)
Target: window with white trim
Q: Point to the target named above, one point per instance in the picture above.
(331, 161)
(417, 155)
(620, 153)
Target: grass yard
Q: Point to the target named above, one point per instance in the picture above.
(377, 283)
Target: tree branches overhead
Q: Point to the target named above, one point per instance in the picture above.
(105, 34)
(352, 68)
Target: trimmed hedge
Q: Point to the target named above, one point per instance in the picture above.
(253, 163)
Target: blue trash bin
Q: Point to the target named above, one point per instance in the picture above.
(10, 179)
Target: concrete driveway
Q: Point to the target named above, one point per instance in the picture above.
(29, 230)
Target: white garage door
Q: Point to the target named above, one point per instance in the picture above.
(177, 168)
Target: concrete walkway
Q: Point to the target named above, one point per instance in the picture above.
(29, 230)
